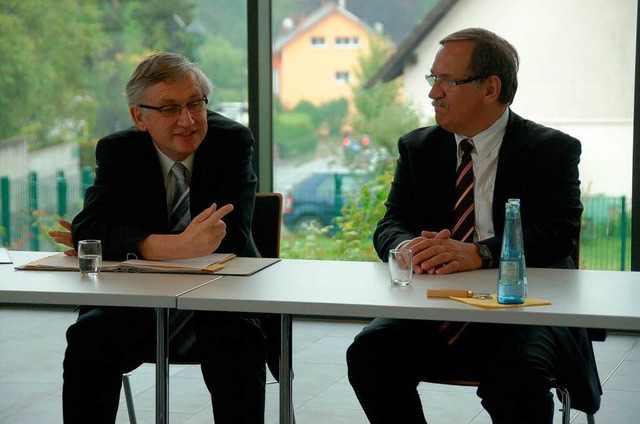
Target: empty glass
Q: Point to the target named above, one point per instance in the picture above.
(400, 266)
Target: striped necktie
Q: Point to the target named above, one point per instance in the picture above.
(464, 210)
(464, 217)
(181, 331)
(180, 214)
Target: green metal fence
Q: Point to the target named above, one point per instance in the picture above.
(605, 240)
(30, 207)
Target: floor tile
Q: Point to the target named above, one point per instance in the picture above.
(626, 378)
(32, 348)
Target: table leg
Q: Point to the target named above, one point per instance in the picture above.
(286, 398)
(162, 365)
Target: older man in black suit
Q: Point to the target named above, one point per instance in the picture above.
(474, 80)
(138, 205)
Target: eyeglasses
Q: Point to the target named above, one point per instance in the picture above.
(433, 80)
(169, 111)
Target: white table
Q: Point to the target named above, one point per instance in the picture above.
(598, 299)
(159, 291)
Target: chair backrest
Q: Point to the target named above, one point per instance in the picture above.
(267, 220)
(576, 254)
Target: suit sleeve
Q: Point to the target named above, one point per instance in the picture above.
(236, 184)
(112, 205)
(551, 222)
(543, 173)
(397, 224)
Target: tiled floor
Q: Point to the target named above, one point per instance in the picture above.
(32, 346)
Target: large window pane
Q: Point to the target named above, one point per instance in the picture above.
(63, 90)
(577, 73)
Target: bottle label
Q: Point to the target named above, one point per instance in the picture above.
(509, 272)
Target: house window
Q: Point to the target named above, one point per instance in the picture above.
(342, 77)
(347, 42)
(318, 42)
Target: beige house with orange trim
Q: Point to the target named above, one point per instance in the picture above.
(315, 60)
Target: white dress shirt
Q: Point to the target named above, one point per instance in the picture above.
(166, 163)
(485, 163)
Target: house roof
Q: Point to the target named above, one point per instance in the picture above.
(394, 66)
(312, 19)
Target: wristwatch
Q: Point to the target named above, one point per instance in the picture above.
(485, 255)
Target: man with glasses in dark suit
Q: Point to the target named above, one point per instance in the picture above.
(140, 205)
(473, 82)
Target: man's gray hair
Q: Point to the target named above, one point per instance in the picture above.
(493, 55)
(163, 67)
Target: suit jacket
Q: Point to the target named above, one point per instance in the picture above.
(536, 164)
(127, 201)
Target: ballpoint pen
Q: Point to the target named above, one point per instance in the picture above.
(456, 293)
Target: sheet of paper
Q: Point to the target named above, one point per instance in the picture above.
(62, 262)
(4, 256)
(203, 264)
(216, 263)
(493, 303)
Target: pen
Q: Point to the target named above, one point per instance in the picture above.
(456, 293)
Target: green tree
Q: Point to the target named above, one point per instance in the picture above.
(294, 134)
(380, 110)
(361, 215)
(225, 19)
(45, 85)
(134, 30)
(226, 65)
(330, 114)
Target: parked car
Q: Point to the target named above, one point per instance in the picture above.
(316, 201)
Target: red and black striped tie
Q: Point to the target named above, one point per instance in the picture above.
(464, 210)
(464, 217)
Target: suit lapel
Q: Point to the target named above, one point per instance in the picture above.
(149, 180)
(511, 168)
(436, 180)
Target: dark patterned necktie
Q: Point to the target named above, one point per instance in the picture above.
(464, 210)
(464, 217)
(181, 330)
(180, 214)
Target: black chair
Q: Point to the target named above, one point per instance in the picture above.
(265, 228)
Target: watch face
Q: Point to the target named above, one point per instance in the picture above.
(485, 254)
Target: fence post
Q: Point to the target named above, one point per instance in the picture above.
(33, 207)
(62, 194)
(5, 195)
(623, 235)
(87, 179)
(337, 200)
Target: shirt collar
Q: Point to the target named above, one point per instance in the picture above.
(166, 162)
(489, 138)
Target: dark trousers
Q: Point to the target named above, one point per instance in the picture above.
(514, 365)
(107, 342)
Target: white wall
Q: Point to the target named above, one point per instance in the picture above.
(576, 73)
(62, 157)
(17, 161)
(13, 157)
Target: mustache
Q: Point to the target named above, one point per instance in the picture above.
(440, 103)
